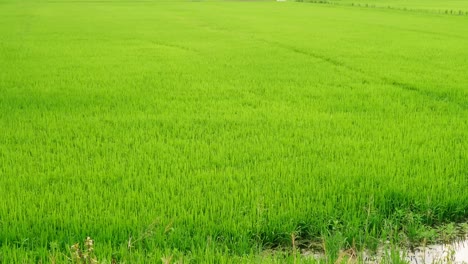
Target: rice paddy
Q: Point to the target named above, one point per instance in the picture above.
(229, 132)
(448, 7)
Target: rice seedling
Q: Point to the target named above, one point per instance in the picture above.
(252, 131)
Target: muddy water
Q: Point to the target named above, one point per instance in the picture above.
(452, 253)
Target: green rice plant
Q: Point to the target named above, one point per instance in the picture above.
(235, 124)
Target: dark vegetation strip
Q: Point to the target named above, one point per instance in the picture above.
(406, 9)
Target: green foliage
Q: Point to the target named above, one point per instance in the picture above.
(212, 131)
(446, 7)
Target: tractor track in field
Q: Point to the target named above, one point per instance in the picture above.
(440, 97)
(174, 46)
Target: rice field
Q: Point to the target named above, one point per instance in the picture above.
(228, 132)
(451, 7)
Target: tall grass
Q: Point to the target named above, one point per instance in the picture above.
(211, 132)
